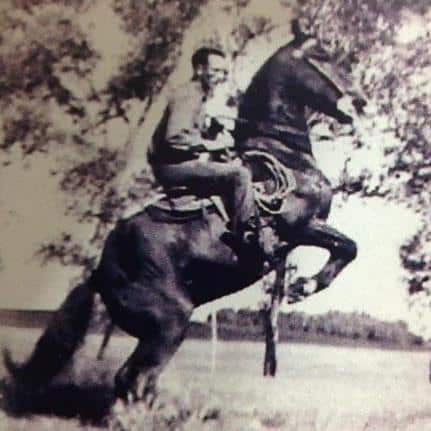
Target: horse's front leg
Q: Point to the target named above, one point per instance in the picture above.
(342, 251)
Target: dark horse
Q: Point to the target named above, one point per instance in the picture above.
(154, 270)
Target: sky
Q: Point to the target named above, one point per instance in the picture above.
(32, 210)
(373, 283)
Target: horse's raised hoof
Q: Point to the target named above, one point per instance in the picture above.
(300, 289)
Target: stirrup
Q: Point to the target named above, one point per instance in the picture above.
(250, 237)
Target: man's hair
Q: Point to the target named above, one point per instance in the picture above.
(200, 57)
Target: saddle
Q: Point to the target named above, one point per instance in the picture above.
(179, 205)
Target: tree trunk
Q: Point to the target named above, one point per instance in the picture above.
(270, 319)
(107, 334)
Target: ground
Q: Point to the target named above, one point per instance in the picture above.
(317, 388)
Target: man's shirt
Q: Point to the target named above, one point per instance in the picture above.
(180, 129)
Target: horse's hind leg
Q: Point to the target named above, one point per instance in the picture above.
(342, 251)
(161, 335)
(137, 378)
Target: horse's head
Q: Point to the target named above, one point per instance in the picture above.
(308, 45)
(300, 77)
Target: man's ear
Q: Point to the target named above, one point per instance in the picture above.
(198, 70)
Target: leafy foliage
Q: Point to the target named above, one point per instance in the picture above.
(364, 37)
(334, 325)
(41, 42)
(50, 102)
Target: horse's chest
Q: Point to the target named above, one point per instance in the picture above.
(205, 243)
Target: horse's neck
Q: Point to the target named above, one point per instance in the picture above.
(285, 153)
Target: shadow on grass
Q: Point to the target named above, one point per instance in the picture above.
(89, 403)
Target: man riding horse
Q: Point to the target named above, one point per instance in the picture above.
(272, 113)
(184, 134)
(156, 269)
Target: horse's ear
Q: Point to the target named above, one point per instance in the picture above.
(296, 28)
(299, 35)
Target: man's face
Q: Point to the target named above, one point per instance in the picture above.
(215, 72)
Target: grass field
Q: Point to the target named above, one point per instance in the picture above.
(317, 388)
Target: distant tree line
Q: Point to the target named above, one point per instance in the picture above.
(332, 327)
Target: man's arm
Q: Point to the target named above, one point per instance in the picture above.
(186, 140)
(185, 125)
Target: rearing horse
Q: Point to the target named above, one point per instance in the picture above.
(275, 104)
(155, 269)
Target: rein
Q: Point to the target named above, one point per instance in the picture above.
(292, 138)
(271, 203)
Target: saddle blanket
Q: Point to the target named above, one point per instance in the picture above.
(182, 208)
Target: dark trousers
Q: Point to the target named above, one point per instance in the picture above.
(231, 182)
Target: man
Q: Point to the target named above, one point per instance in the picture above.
(183, 135)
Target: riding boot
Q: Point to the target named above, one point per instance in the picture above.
(245, 241)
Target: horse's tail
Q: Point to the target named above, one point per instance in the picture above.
(56, 346)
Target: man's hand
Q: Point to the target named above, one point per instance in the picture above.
(213, 129)
(223, 142)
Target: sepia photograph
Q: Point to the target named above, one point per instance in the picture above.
(215, 215)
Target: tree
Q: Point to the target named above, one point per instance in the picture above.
(275, 291)
(53, 102)
(364, 38)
